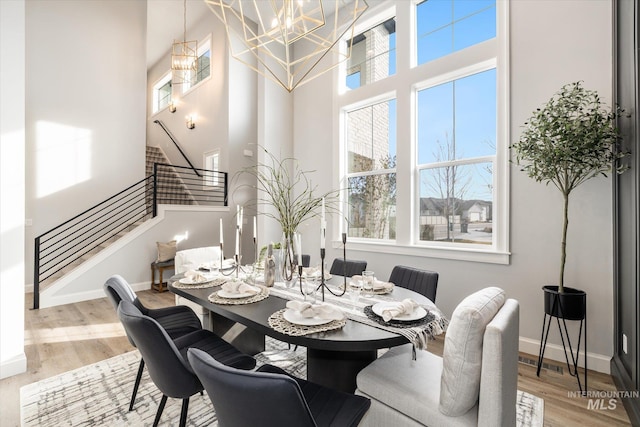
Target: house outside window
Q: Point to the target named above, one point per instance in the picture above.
(432, 177)
(162, 93)
(371, 173)
(373, 55)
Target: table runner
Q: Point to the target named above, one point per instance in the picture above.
(417, 335)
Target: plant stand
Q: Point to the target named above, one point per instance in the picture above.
(570, 305)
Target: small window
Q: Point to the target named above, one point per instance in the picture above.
(373, 55)
(211, 164)
(204, 65)
(447, 26)
(162, 93)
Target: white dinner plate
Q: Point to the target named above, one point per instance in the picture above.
(417, 314)
(294, 316)
(190, 281)
(226, 294)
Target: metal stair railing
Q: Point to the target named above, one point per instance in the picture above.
(67, 243)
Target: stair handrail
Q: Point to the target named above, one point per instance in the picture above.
(175, 142)
(78, 236)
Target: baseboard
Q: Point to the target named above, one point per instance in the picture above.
(56, 300)
(595, 362)
(14, 366)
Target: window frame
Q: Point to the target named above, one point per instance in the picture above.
(403, 85)
(203, 47)
(161, 82)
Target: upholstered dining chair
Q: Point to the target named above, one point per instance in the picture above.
(306, 260)
(424, 282)
(176, 320)
(192, 259)
(166, 359)
(269, 397)
(474, 383)
(347, 268)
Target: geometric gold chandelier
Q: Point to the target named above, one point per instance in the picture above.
(184, 56)
(289, 41)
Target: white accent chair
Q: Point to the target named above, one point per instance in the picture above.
(192, 259)
(473, 384)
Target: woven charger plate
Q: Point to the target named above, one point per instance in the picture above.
(280, 324)
(208, 284)
(264, 292)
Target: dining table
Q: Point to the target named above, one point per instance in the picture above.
(334, 357)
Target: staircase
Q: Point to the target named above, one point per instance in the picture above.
(175, 192)
(65, 248)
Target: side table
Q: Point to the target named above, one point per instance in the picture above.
(161, 266)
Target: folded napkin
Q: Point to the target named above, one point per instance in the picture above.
(314, 272)
(322, 311)
(195, 276)
(238, 287)
(379, 285)
(405, 306)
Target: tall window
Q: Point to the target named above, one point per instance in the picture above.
(162, 93)
(432, 178)
(456, 141)
(371, 170)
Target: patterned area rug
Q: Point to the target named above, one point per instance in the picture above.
(99, 394)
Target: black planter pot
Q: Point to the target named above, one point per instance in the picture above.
(570, 304)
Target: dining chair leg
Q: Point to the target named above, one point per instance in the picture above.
(136, 385)
(183, 413)
(163, 402)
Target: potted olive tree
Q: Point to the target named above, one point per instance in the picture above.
(571, 139)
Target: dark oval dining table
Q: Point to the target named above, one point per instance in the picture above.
(334, 358)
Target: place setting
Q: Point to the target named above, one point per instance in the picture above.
(198, 280)
(238, 292)
(304, 317)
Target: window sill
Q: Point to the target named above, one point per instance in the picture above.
(450, 253)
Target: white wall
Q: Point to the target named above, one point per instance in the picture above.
(226, 110)
(12, 146)
(551, 44)
(131, 256)
(85, 107)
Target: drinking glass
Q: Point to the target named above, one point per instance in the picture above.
(368, 277)
(309, 290)
(354, 290)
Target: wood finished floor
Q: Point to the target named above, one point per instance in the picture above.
(67, 337)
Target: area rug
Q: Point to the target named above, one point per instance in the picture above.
(99, 394)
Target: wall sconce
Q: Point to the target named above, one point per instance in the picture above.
(190, 123)
(172, 107)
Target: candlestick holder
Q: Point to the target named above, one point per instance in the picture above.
(300, 278)
(237, 267)
(255, 253)
(323, 284)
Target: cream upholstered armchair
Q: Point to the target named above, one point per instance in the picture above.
(474, 383)
(192, 259)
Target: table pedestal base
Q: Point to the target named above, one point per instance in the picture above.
(241, 337)
(337, 369)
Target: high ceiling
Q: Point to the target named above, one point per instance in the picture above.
(165, 24)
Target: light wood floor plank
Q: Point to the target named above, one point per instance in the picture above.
(60, 339)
